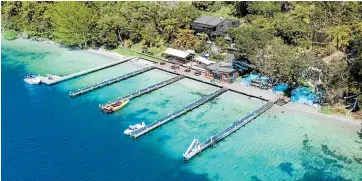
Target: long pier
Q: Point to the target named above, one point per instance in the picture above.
(147, 89)
(155, 124)
(207, 81)
(197, 147)
(50, 80)
(108, 82)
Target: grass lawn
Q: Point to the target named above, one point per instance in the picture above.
(326, 110)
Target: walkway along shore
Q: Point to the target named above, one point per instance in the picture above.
(257, 93)
(291, 106)
(265, 95)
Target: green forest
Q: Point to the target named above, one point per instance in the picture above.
(283, 40)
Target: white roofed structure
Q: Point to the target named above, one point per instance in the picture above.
(177, 53)
(204, 60)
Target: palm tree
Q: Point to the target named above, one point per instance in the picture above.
(170, 28)
(340, 36)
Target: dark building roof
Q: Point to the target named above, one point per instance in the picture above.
(209, 20)
(221, 67)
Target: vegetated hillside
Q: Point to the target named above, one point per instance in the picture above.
(282, 39)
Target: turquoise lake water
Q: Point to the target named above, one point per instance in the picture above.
(46, 135)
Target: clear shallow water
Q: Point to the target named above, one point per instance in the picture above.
(49, 136)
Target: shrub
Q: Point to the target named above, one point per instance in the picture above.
(128, 44)
(358, 115)
(326, 110)
(10, 34)
(217, 56)
(201, 47)
(359, 99)
(339, 109)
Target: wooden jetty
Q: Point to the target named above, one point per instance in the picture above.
(95, 86)
(146, 90)
(155, 124)
(197, 147)
(237, 88)
(53, 79)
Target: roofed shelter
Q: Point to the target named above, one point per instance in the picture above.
(214, 26)
(203, 61)
(178, 56)
(222, 71)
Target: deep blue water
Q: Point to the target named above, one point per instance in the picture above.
(48, 136)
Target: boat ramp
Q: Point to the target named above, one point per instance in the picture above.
(196, 147)
(52, 79)
(146, 90)
(139, 132)
(108, 82)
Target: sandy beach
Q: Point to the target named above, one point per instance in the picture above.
(291, 106)
(106, 53)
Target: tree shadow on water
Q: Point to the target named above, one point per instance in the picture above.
(320, 163)
(359, 159)
(324, 164)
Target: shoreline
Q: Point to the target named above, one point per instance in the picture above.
(106, 53)
(311, 111)
(292, 106)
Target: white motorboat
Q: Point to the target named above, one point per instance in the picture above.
(32, 79)
(135, 127)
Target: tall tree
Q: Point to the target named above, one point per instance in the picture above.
(340, 36)
(10, 12)
(112, 26)
(186, 39)
(240, 8)
(36, 18)
(267, 9)
(170, 28)
(73, 22)
(250, 40)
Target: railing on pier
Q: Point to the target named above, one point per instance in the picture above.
(108, 82)
(235, 126)
(146, 90)
(47, 81)
(155, 124)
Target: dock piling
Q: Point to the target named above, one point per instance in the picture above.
(226, 132)
(147, 89)
(108, 82)
(47, 81)
(169, 117)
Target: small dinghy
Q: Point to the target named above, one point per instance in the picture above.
(135, 127)
(32, 79)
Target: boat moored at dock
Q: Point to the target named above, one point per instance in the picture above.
(139, 93)
(32, 79)
(139, 132)
(52, 79)
(132, 128)
(114, 106)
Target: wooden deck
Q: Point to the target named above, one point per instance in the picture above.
(266, 95)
